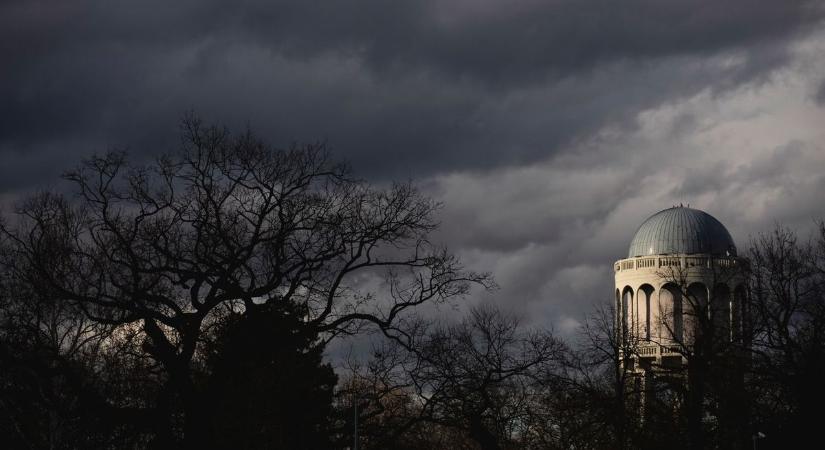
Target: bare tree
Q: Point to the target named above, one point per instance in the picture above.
(227, 224)
(604, 373)
(479, 377)
(787, 302)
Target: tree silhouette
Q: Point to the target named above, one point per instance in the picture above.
(478, 378)
(787, 325)
(163, 252)
(268, 387)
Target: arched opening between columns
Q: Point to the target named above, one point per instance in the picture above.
(695, 311)
(644, 296)
(628, 318)
(670, 321)
(618, 314)
(720, 312)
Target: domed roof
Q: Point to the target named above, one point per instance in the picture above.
(681, 230)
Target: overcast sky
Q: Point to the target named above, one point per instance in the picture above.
(550, 129)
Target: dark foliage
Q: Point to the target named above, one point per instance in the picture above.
(268, 387)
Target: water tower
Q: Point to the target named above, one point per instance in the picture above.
(680, 284)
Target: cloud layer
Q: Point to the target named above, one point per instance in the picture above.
(550, 129)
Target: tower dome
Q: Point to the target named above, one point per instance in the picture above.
(681, 230)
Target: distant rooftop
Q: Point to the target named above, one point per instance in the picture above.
(681, 230)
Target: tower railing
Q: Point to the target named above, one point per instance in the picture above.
(647, 262)
(655, 350)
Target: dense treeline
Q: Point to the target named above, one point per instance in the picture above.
(187, 303)
(485, 383)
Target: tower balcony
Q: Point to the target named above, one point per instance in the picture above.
(676, 261)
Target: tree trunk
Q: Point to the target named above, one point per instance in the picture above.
(480, 434)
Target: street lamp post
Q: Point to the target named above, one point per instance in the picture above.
(355, 421)
(758, 435)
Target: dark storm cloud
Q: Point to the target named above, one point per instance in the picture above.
(550, 129)
(401, 88)
(510, 42)
(486, 40)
